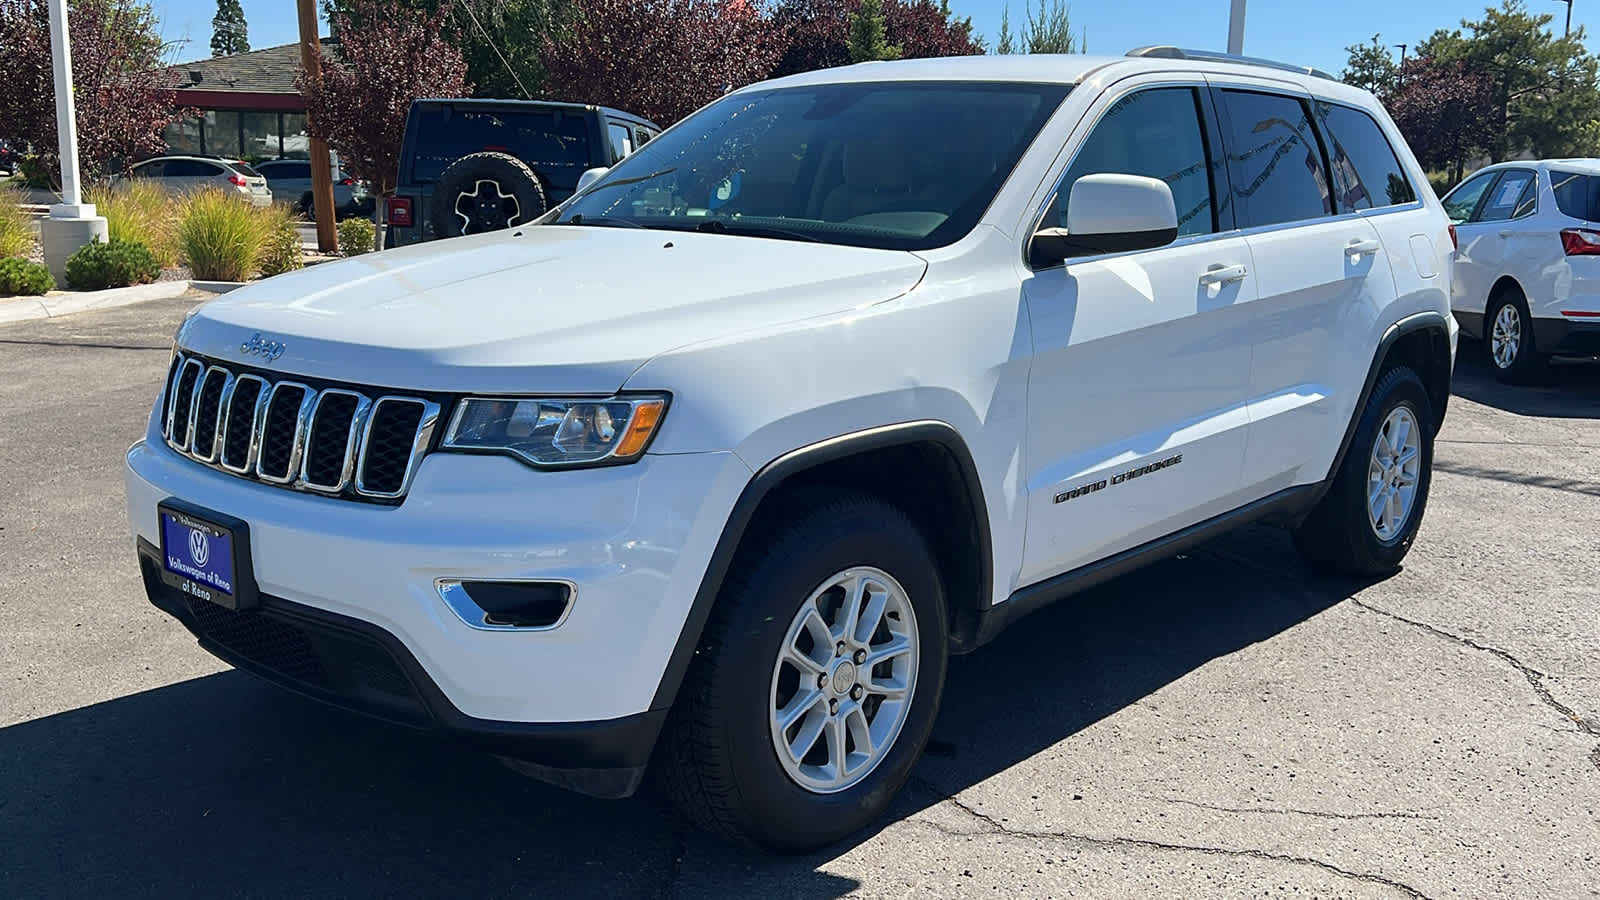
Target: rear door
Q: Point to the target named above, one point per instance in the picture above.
(1136, 418)
(1321, 277)
(1469, 285)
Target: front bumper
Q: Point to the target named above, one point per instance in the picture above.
(359, 667)
(635, 540)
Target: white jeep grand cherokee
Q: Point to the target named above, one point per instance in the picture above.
(717, 463)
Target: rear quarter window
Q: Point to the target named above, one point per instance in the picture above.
(1577, 194)
(1366, 170)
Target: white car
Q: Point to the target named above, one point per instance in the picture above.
(1528, 269)
(290, 182)
(184, 174)
(718, 463)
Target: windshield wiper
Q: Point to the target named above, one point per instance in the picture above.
(718, 226)
(636, 179)
(581, 219)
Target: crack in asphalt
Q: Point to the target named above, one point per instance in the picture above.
(1267, 810)
(1534, 677)
(85, 345)
(995, 826)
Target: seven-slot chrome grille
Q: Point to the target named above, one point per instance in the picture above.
(346, 441)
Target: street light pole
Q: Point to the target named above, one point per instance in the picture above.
(1569, 15)
(1236, 28)
(71, 223)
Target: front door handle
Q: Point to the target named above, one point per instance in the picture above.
(1505, 232)
(1221, 274)
(1359, 247)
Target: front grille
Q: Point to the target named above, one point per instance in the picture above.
(340, 440)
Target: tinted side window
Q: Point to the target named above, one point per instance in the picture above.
(1274, 160)
(189, 168)
(149, 169)
(1154, 133)
(1577, 195)
(1460, 203)
(621, 140)
(1510, 198)
(1366, 171)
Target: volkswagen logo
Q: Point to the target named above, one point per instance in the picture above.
(199, 546)
(258, 346)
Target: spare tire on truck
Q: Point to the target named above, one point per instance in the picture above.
(486, 192)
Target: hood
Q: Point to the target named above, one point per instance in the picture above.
(547, 309)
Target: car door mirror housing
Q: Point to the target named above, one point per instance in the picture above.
(1109, 213)
(590, 176)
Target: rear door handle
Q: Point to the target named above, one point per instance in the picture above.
(1221, 274)
(1359, 247)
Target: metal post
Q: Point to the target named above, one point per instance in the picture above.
(1569, 16)
(321, 170)
(1236, 28)
(71, 223)
(66, 109)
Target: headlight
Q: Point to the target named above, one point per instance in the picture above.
(546, 432)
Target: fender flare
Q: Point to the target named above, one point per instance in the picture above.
(779, 471)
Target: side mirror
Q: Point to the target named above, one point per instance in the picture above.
(1109, 214)
(590, 176)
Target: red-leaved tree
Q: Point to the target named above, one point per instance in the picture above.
(817, 32)
(124, 95)
(1446, 112)
(661, 59)
(397, 55)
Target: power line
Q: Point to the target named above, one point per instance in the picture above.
(492, 46)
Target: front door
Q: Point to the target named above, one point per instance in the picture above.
(1136, 398)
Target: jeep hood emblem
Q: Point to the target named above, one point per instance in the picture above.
(256, 346)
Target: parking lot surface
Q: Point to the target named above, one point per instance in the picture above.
(1221, 724)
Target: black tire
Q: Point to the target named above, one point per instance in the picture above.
(303, 207)
(1526, 363)
(484, 192)
(717, 758)
(1339, 536)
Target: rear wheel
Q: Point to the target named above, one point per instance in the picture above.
(1367, 521)
(1508, 335)
(817, 681)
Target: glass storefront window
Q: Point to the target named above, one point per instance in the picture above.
(183, 136)
(296, 143)
(260, 136)
(222, 133)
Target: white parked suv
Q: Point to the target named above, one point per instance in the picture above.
(1527, 275)
(718, 463)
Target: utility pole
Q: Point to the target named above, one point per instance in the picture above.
(1569, 16)
(1402, 54)
(1236, 28)
(71, 223)
(321, 170)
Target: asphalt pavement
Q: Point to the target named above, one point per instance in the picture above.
(1221, 724)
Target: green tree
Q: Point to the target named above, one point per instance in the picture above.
(1544, 86)
(501, 40)
(868, 40)
(1005, 42)
(229, 33)
(1371, 68)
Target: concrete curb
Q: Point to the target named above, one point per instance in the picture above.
(216, 287)
(49, 307)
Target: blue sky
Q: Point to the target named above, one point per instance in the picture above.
(1312, 34)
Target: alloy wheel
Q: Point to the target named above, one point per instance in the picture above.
(1393, 472)
(1505, 338)
(843, 681)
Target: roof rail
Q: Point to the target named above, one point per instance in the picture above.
(1162, 51)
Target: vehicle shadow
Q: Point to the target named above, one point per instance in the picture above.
(1568, 389)
(224, 785)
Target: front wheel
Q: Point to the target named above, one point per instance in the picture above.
(1370, 515)
(817, 681)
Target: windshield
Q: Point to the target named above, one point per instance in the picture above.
(899, 165)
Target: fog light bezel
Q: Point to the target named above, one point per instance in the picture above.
(453, 592)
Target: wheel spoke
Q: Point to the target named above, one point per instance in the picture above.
(1399, 437)
(807, 738)
(804, 663)
(803, 701)
(860, 730)
(877, 602)
(821, 636)
(845, 622)
(898, 646)
(1376, 503)
(836, 745)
